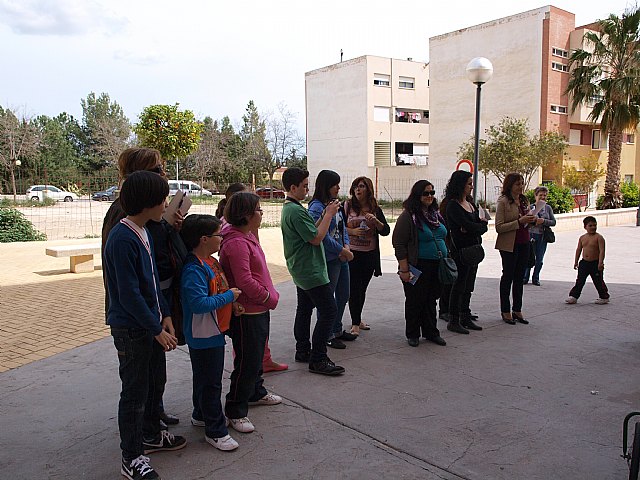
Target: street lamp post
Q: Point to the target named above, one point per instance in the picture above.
(479, 71)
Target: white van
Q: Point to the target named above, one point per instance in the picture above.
(191, 188)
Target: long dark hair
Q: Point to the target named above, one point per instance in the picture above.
(507, 185)
(324, 181)
(413, 204)
(456, 185)
(231, 189)
(371, 201)
(240, 207)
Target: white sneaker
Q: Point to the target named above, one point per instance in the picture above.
(225, 443)
(268, 399)
(197, 423)
(602, 301)
(571, 300)
(242, 425)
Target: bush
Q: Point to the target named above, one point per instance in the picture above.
(8, 202)
(559, 199)
(15, 227)
(630, 196)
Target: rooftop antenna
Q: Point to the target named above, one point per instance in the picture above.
(341, 54)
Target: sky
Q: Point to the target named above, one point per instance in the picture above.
(212, 57)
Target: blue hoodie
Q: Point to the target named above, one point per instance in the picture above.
(337, 236)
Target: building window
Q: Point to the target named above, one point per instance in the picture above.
(381, 80)
(558, 109)
(381, 114)
(631, 138)
(409, 115)
(406, 82)
(559, 67)
(628, 179)
(599, 141)
(558, 52)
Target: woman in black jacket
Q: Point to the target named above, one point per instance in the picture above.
(465, 228)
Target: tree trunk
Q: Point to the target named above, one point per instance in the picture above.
(612, 195)
(13, 180)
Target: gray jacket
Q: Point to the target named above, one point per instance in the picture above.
(549, 220)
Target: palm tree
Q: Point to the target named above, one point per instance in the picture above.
(606, 73)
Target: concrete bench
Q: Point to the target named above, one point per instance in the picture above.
(81, 256)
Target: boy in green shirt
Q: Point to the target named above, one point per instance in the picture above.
(303, 250)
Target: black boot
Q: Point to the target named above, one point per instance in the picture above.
(454, 325)
(467, 323)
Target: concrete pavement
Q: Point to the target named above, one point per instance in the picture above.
(536, 402)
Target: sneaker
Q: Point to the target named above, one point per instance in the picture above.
(268, 399)
(242, 425)
(138, 469)
(602, 301)
(303, 357)
(197, 423)
(571, 300)
(165, 442)
(326, 367)
(336, 343)
(226, 443)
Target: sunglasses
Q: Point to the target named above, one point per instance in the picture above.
(429, 193)
(157, 169)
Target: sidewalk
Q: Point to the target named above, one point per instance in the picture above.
(537, 402)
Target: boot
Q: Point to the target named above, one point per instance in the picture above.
(454, 325)
(467, 323)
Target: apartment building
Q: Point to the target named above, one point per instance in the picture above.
(529, 52)
(369, 116)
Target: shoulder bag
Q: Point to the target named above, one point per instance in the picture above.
(548, 235)
(447, 268)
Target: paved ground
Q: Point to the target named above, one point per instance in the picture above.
(539, 401)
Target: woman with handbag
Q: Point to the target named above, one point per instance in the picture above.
(465, 228)
(419, 243)
(541, 233)
(513, 219)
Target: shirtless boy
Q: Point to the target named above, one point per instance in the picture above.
(591, 245)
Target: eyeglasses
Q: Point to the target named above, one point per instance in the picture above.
(429, 193)
(157, 169)
(213, 235)
(259, 210)
(361, 186)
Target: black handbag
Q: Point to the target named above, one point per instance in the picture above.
(531, 261)
(447, 268)
(548, 235)
(471, 256)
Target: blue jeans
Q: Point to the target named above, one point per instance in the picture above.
(207, 365)
(142, 370)
(541, 248)
(321, 298)
(339, 281)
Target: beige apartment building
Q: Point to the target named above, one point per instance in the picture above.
(529, 52)
(369, 116)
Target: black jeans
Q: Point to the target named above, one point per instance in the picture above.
(142, 370)
(207, 365)
(360, 272)
(460, 296)
(249, 334)
(420, 301)
(585, 269)
(321, 298)
(513, 266)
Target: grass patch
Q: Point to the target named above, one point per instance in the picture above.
(7, 202)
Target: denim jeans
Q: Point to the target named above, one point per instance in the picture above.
(339, 281)
(207, 365)
(541, 248)
(249, 334)
(513, 266)
(321, 298)
(142, 370)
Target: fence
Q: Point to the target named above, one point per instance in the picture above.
(83, 218)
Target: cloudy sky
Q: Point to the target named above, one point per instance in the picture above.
(212, 57)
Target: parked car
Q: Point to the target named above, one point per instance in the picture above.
(269, 192)
(191, 188)
(105, 195)
(37, 193)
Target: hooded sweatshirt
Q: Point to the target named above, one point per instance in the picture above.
(245, 266)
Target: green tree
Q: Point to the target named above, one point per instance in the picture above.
(60, 149)
(175, 133)
(606, 74)
(559, 199)
(18, 142)
(106, 129)
(509, 148)
(255, 153)
(582, 180)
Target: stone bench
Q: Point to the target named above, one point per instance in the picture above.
(81, 256)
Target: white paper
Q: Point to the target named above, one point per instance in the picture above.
(538, 207)
(179, 203)
(484, 213)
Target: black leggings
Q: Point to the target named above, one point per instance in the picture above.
(513, 266)
(360, 272)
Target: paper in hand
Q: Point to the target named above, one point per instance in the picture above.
(538, 207)
(179, 203)
(414, 274)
